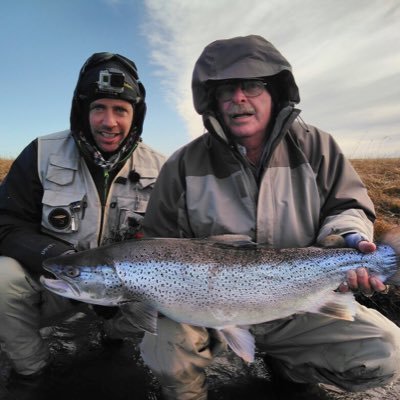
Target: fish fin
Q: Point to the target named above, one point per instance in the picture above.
(392, 239)
(232, 240)
(240, 340)
(336, 305)
(141, 315)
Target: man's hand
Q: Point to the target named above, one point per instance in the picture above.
(356, 241)
(359, 280)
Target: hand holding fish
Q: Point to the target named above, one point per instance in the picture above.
(359, 280)
(356, 241)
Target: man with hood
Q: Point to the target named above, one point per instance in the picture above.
(70, 191)
(260, 171)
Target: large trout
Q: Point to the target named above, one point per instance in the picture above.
(226, 283)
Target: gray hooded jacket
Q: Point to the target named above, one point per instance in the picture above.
(304, 190)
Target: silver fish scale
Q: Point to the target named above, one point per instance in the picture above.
(112, 284)
(206, 283)
(216, 286)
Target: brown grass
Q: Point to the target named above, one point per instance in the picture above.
(5, 164)
(382, 179)
(381, 176)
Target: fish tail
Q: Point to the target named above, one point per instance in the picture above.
(392, 239)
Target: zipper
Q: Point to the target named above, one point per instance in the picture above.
(106, 176)
(283, 128)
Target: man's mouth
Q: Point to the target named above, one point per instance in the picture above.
(239, 111)
(108, 135)
(241, 115)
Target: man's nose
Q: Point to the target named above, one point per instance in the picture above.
(109, 118)
(238, 95)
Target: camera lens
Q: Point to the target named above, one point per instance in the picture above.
(117, 80)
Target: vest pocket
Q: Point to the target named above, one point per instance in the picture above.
(126, 215)
(62, 211)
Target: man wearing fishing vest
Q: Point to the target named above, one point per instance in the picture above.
(261, 171)
(70, 191)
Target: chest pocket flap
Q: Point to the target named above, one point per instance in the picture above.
(54, 198)
(148, 176)
(61, 170)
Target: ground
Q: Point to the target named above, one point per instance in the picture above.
(95, 371)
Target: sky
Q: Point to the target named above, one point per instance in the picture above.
(345, 56)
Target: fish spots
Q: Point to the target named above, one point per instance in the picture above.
(207, 285)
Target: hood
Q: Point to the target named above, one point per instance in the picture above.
(242, 58)
(104, 66)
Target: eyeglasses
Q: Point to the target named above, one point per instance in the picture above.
(250, 88)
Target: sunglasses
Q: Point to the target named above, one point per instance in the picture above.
(250, 88)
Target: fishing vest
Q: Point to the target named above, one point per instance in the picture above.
(72, 210)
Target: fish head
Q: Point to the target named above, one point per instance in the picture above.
(95, 283)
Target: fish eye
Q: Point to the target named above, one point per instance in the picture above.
(72, 272)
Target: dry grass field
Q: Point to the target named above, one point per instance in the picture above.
(381, 176)
(5, 164)
(382, 179)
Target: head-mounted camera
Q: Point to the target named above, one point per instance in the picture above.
(111, 80)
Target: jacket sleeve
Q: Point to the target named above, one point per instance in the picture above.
(21, 195)
(166, 212)
(345, 204)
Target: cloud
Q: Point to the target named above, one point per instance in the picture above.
(345, 56)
